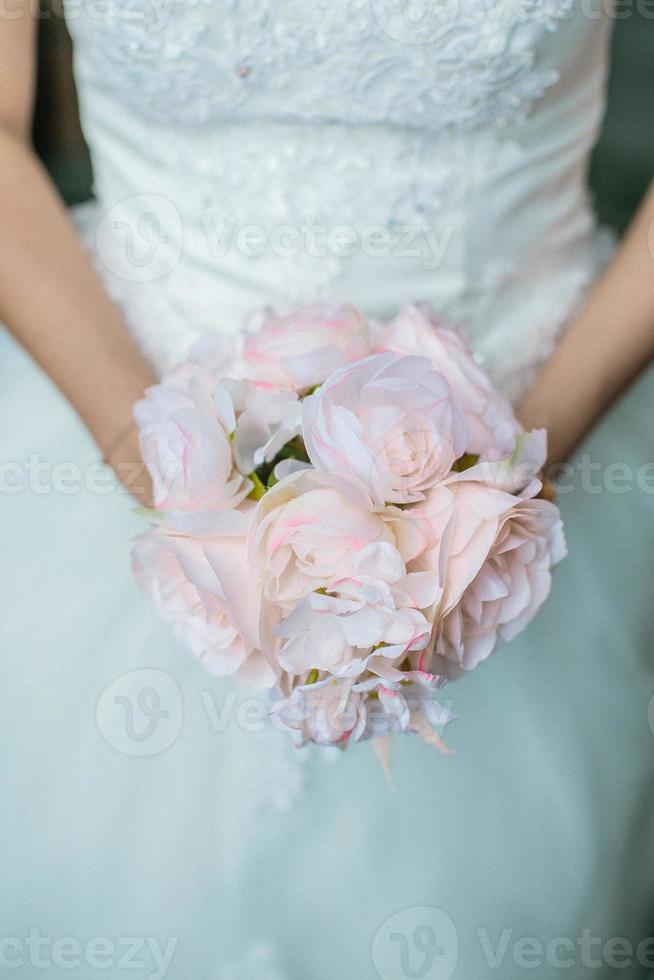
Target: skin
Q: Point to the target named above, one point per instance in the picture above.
(56, 307)
(50, 297)
(604, 349)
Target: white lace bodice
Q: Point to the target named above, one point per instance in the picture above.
(195, 62)
(381, 151)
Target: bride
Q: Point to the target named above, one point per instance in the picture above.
(380, 152)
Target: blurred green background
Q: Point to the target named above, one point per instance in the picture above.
(623, 164)
(622, 167)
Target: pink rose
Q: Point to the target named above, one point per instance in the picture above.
(421, 532)
(406, 702)
(373, 615)
(385, 429)
(491, 422)
(343, 710)
(266, 422)
(327, 712)
(305, 535)
(300, 350)
(196, 586)
(520, 472)
(184, 437)
(213, 357)
(498, 570)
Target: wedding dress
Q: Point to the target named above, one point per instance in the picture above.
(378, 151)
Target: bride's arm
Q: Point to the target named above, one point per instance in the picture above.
(50, 298)
(608, 344)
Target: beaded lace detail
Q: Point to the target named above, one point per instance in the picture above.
(319, 182)
(409, 62)
(403, 121)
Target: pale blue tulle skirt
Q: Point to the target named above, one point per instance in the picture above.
(149, 819)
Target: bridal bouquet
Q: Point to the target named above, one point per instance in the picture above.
(346, 513)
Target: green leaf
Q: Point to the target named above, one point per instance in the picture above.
(465, 462)
(294, 449)
(259, 488)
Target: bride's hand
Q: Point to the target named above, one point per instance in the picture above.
(123, 454)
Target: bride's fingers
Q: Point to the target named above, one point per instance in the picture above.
(135, 478)
(124, 457)
(547, 491)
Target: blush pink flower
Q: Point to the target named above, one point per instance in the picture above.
(385, 429)
(327, 712)
(404, 702)
(266, 422)
(397, 537)
(520, 472)
(305, 536)
(498, 572)
(421, 532)
(340, 711)
(300, 350)
(213, 357)
(195, 585)
(372, 615)
(184, 438)
(491, 422)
